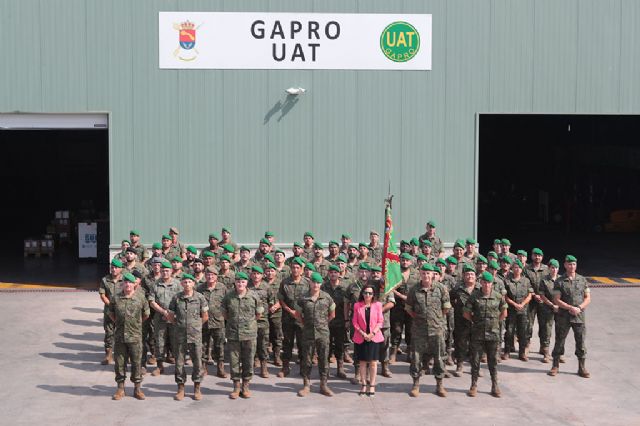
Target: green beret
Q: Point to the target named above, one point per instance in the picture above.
(229, 248)
(353, 246)
(269, 234)
(333, 243)
(517, 262)
(375, 268)
(422, 257)
(156, 246)
(505, 242)
(364, 266)
(316, 277)
(192, 249)
(166, 237)
(414, 242)
(297, 244)
(427, 267)
(265, 241)
(441, 262)
(468, 268)
(134, 232)
(506, 259)
(522, 253)
(452, 260)
(177, 259)
(347, 236)
(318, 246)
(334, 268)
(492, 254)
(208, 253)
(280, 251)
(554, 263)
(256, 268)
(214, 235)
(486, 276)
(308, 234)
(342, 258)
(537, 251)
(405, 242)
(241, 276)
(270, 265)
(166, 264)
(225, 257)
(426, 243)
(269, 258)
(481, 259)
(300, 261)
(363, 245)
(310, 266)
(570, 258)
(188, 277)
(116, 262)
(406, 256)
(471, 241)
(125, 241)
(129, 277)
(432, 223)
(225, 230)
(494, 265)
(211, 269)
(497, 241)
(459, 243)
(244, 248)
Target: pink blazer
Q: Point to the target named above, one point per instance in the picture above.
(376, 320)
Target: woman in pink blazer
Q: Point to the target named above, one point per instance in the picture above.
(367, 322)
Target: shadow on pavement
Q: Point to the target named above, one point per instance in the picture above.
(84, 336)
(88, 310)
(79, 346)
(83, 323)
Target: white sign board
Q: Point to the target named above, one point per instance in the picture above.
(346, 41)
(87, 240)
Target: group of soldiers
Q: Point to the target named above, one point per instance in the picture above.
(181, 305)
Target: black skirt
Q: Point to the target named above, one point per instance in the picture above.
(367, 351)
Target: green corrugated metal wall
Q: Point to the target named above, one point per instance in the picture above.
(209, 148)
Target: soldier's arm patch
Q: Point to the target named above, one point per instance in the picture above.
(332, 307)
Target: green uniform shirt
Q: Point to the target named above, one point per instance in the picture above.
(214, 297)
(137, 266)
(339, 297)
(267, 298)
(315, 315)
(128, 312)
(485, 311)
(427, 305)
(162, 293)
(308, 253)
(188, 311)
(284, 272)
(290, 292)
(241, 322)
(141, 251)
(228, 279)
(546, 289)
(518, 290)
(110, 288)
(438, 247)
(407, 283)
(376, 253)
(322, 267)
(459, 297)
(243, 268)
(535, 276)
(572, 292)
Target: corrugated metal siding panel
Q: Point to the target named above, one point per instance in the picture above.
(630, 57)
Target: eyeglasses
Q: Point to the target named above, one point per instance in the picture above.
(368, 293)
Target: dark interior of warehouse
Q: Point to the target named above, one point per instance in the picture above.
(567, 183)
(43, 174)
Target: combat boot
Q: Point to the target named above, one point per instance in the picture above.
(108, 357)
(324, 388)
(137, 392)
(562, 360)
(582, 371)
(495, 389)
(264, 372)
(197, 394)
(473, 390)
(119, 392)
(415, 390)
(159, 370)
(505, 355)
(385, 369)
(277, 361)
(356, 378)
(440, 390)
(235, 393)
(545, 354)
(392, 355)
(340, 373)
(555, 367)
(458, 372)
(522, 355)
(152, 360)
(449, 360)
(306, 388)
(284, 372)
(220, 370)
(179, 396)
(245, 392)
(347, 358)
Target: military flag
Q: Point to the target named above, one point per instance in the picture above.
(390, 256)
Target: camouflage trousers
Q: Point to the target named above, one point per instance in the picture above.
(128, 352)
(425, 349)
(262, 343)
(164, 335)
(545, 326)
(181, 349)
(241, 355)
(491, 348)
(517, 325)
(275, 334)
(292, 332)
(400, 321)
(337, 337)
(309, 347)
(213, 342)
(462, 340)
(533, 309)
(148, 339)
(563, 325)
(384, 347)
(449, 342)
(109, 329)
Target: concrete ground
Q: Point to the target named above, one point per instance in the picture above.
(51, 347)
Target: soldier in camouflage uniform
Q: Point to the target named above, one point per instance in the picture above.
(232, 248)
(128, 309)
(208, 259)
(168, 251)
(213, 335)
(273, 280)
(375, 249)
(188, 310)
(191, 254)
(427, 303)
(547, 308)
(470, 251)
(245, 263)
(148, 331)
(319, 262)
(365, 256)
(484, 309)
(500, 287)
(241, 309)
(109, 288)
(307, 250)
(334, 252)
(131, 262)
(213, 247)
(535, 272)
(519, 294)
(176, 264)
(438, 247)
(159, 298)
(176, 244)
(124, 245)
(141, 250)
(267, 298)
(264, 249)
(388, 301)
(315, 311)
(335, 289)
(156, 253)
(282, 269)
(572, 295)
(449, 283)
(226, 275)
(426, 249)
(462, 331)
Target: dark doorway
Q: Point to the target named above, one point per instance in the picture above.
(564, 183)
(41, 172)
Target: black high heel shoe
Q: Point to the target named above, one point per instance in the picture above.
(372, 391)
(363, 390)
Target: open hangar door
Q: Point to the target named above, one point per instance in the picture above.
(54, 174)
(564, 183)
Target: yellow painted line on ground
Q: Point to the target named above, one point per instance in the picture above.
(604, 280)
(32, 286)
(632, 280)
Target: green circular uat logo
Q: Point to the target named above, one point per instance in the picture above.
(400, 41)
